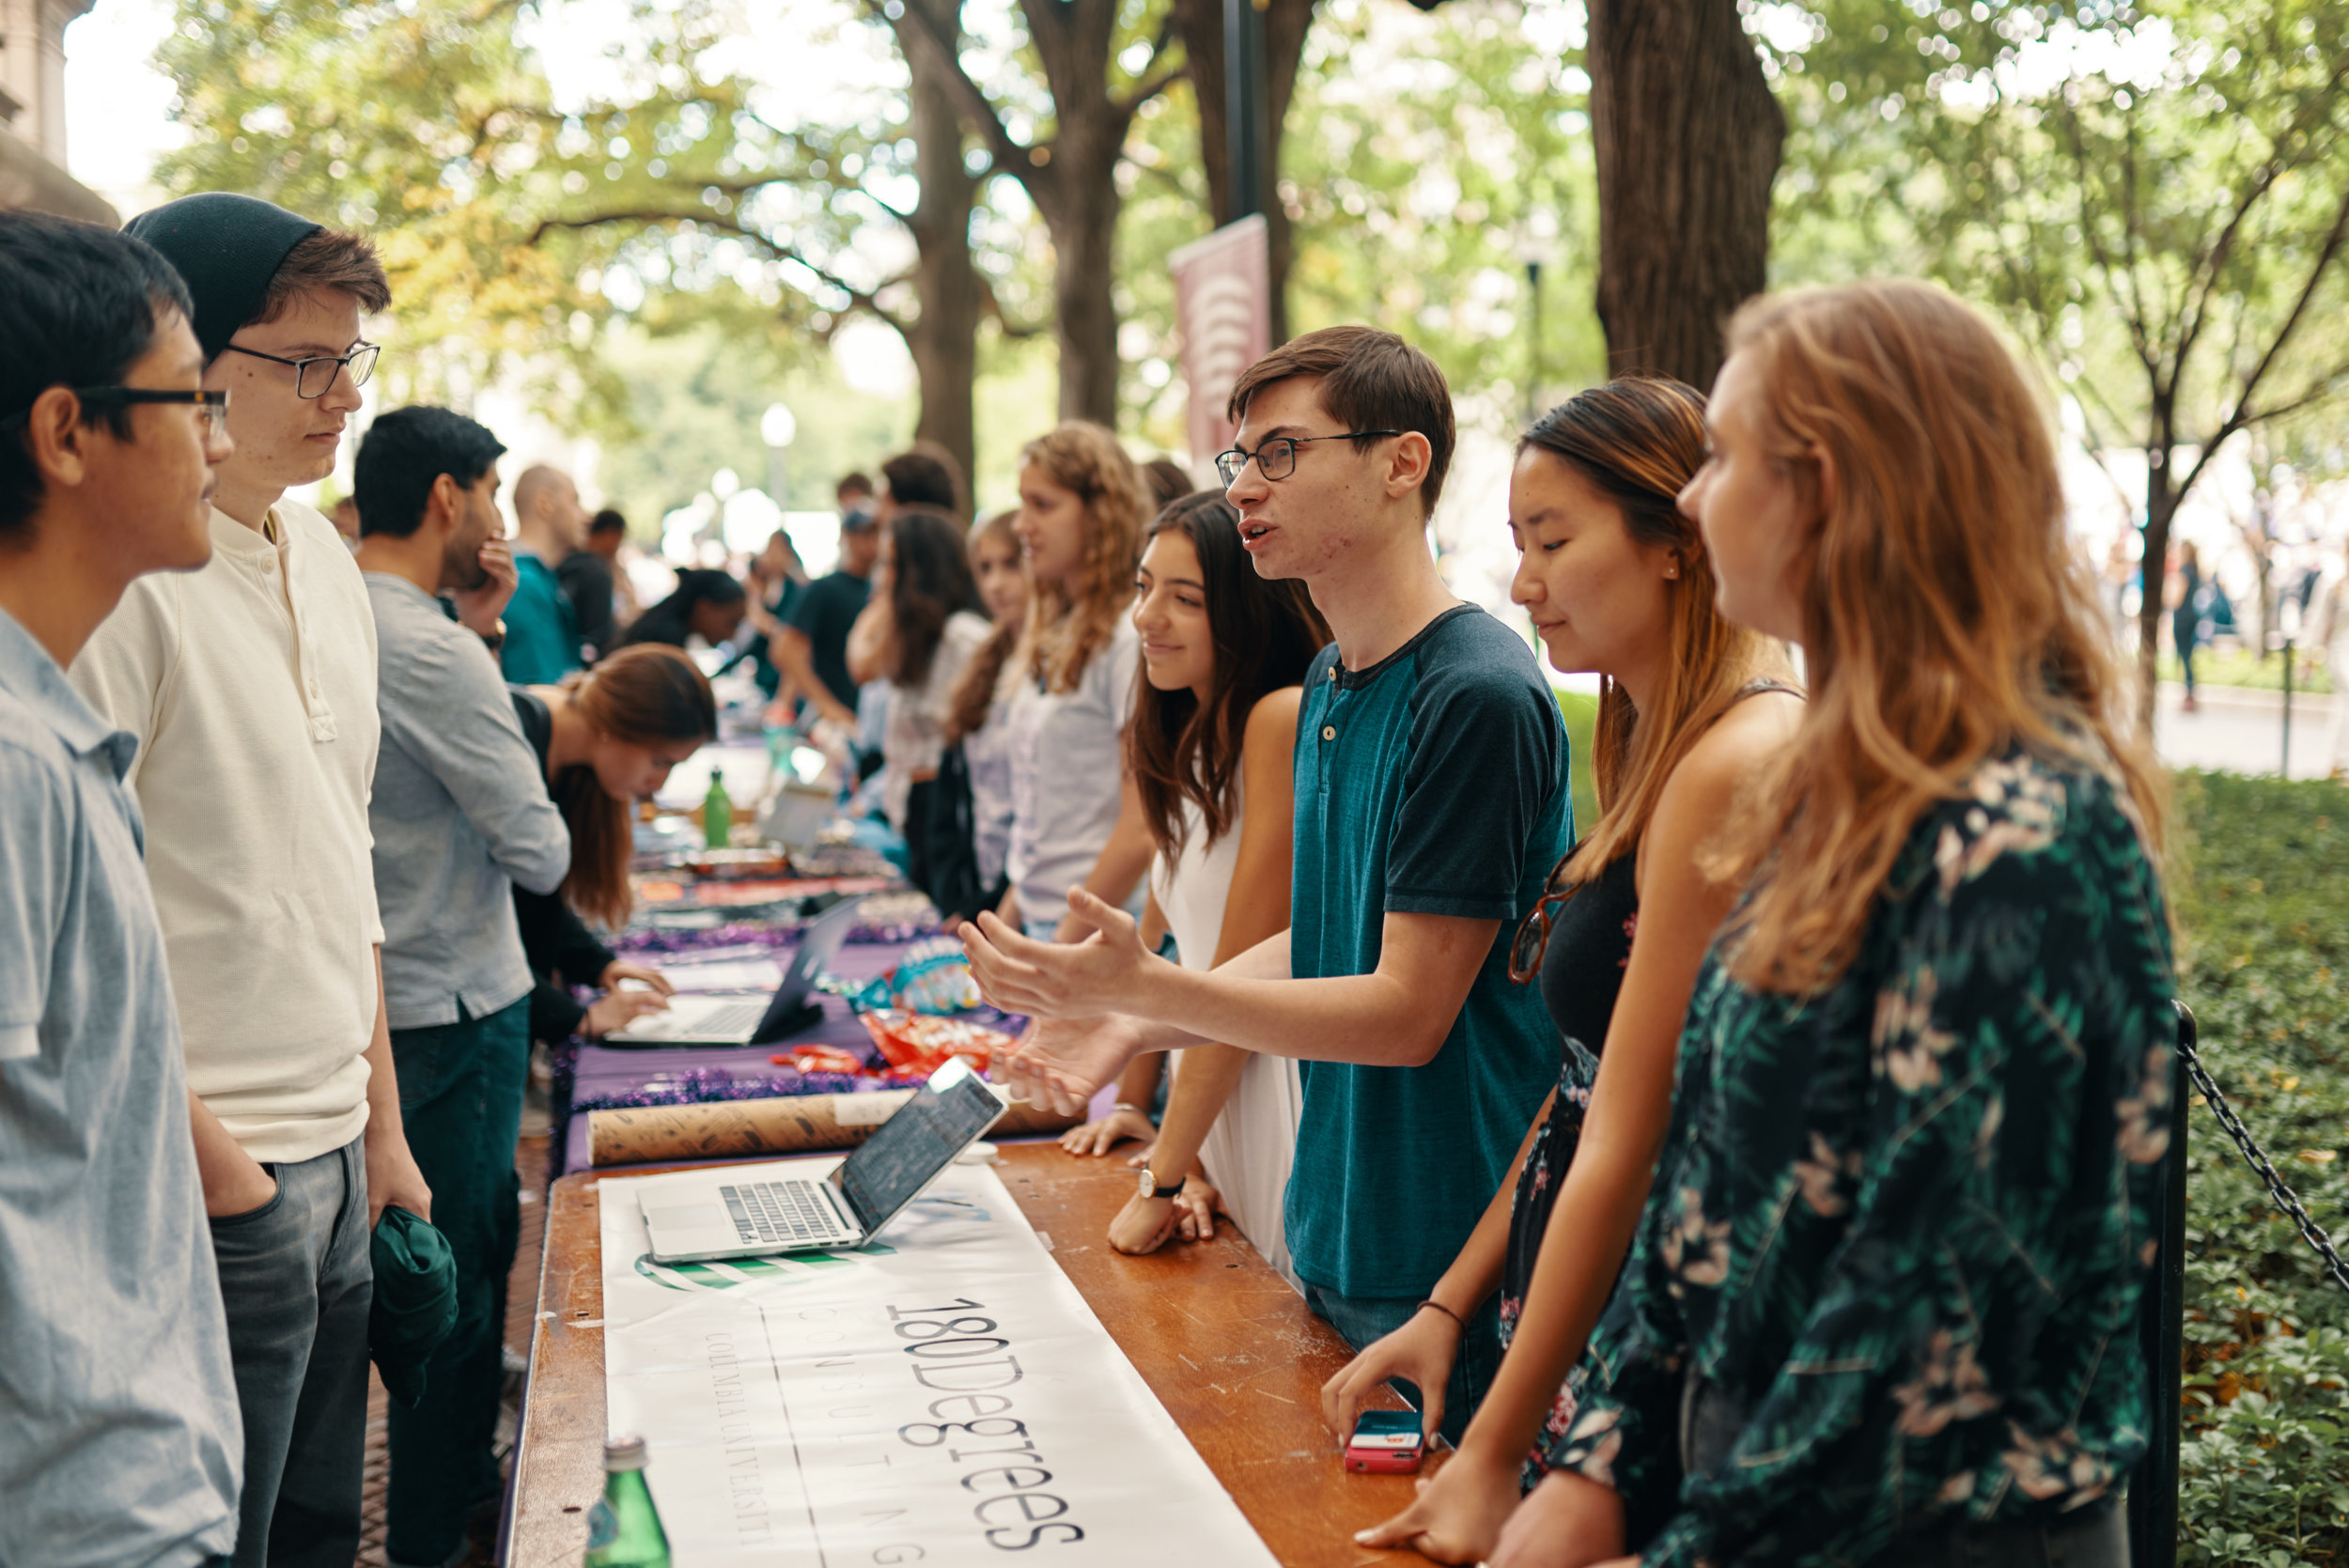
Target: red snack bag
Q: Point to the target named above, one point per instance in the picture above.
(821, 1059)
(918, 1044)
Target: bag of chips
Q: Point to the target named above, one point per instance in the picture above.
(918, 1044)
(821, 1058)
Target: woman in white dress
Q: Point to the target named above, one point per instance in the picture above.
(1210, 748)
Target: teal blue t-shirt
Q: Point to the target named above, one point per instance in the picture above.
(1432, 783)
(541, 627)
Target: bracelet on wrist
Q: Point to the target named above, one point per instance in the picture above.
(1135, 1109)
(1447, 1312)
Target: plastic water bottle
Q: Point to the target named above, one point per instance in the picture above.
(716, 814)
(624, 1528)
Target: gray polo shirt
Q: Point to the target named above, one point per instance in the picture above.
(459, 808)
(119, 1440)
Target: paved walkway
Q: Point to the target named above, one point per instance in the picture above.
(2241, 731)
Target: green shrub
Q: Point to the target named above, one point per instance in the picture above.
(2260, 886)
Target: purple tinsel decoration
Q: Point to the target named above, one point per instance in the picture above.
(707, 1085)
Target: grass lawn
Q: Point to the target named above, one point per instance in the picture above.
(2238, 667)
(2260, 889)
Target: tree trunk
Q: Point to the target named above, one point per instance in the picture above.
(1072, 180)
(2161, 505)
(944, 336)
(1687, 135)
(1200, 24)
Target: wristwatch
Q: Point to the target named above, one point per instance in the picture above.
(1150, 1187)
(495, 640)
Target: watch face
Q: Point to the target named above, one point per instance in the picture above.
(1149, 1188)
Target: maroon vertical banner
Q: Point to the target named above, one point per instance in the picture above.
(1223, 309)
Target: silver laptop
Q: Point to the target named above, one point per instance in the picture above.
(716, 1020)
(741, 1213)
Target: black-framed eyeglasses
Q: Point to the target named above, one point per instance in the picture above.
(211, 406)
(314, 376)
(1276, 459)
(1532, 937)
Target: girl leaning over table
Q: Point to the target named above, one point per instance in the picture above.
(1210, 748)
(604, 743)
(1618, 583)
(1881, 1306)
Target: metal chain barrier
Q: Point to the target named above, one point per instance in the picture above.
(2255, 1156)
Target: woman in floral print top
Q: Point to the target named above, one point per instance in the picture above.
(1883, 1299)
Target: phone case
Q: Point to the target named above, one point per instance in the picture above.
(1383, 1461)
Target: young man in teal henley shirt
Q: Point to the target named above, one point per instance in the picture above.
(1431, 802)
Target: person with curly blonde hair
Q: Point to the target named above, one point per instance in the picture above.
(1074, 823)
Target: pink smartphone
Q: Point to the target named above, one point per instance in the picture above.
(1386, 1442)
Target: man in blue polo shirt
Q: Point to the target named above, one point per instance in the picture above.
(1431, 802)
(121, 1441)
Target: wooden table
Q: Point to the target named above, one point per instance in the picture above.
(1227, 1346)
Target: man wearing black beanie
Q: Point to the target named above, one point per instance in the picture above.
(250, 687)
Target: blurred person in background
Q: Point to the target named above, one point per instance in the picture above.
(966, 827)
(603, 598)
(708, 604)
(1166, 482)
(924, 474)
(344, 515)
(542, 636)
(775, 578)
(854, 493)
(919, 631)
(812, 650)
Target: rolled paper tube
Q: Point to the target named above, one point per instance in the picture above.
(788, 1125)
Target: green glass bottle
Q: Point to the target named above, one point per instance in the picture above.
(624, 1528)
(716, 814)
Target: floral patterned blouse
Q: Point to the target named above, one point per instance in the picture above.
(1898, 1228)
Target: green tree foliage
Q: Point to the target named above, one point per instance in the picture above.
(2157, 194)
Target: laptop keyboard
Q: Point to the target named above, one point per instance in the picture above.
(729, 1021)
(780, 1213)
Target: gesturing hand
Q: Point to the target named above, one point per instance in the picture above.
(1062, 1063)
(478, 609)
(1047, 979)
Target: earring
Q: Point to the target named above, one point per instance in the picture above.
(1671, 572)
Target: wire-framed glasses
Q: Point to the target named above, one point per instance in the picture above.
(1276, 459)
(211, 406)
(314, 376)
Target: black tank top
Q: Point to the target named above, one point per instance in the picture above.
(1590, 945)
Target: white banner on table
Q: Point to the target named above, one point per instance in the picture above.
(945, 1397)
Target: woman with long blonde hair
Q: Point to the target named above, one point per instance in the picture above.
(1618, 583)
(1081, 507)
(1881, 1306)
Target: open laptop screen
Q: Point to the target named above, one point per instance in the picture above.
(916, 1143)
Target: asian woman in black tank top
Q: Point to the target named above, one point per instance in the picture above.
(1617, 583)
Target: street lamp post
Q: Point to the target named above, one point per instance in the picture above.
(776, 428)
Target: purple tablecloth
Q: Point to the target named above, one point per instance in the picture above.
(604, 1070)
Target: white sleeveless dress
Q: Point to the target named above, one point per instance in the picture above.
(1248, 1151)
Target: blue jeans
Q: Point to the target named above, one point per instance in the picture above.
(460, 1097)
(297, 1281)
(1361, 1320)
